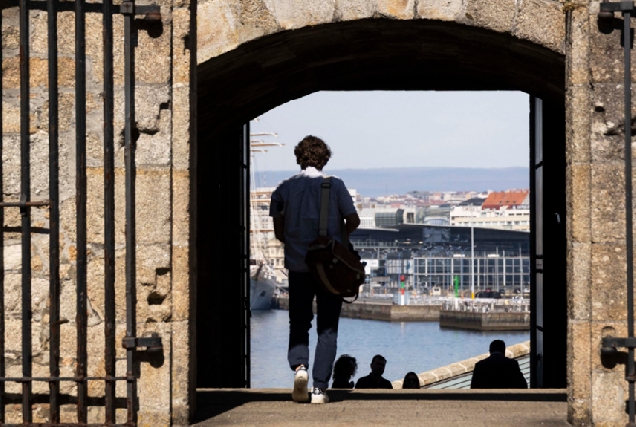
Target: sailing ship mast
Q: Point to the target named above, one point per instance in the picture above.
(258, 146)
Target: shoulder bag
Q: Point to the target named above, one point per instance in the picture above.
(338, 270)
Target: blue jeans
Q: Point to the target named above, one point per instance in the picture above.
(302, 289)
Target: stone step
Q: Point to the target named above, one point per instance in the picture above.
(273, 407)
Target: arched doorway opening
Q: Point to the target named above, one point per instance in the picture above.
(372, 54)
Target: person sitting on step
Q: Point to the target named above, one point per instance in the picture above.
(375, 378)
(344, 368)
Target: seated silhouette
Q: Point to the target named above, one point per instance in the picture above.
(344, 368)
(375, 378)
(411, 381)
(497, 371)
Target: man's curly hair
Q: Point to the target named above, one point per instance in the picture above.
(312, 151)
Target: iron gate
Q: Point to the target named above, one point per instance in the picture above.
(130, 342)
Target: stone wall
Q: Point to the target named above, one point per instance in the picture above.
(162, 213)
(596, 237)
(596, 220)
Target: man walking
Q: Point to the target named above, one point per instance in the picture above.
(295, 208)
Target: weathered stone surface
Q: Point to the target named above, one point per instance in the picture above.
(608, 123)
(442, 10)
(153, 59)
(578, 202)
(578, 53)
(355, 9)
(396, 9)
(608, 404)
(65, 33)
(579, 360)
(215, 31)
(181, 294)
(152, 114)
(578, 107)
(494, 15)
(153, 206)
(181, 207)
(181, 141)
(292, 15)
(38, 72)
(542, 22)
(608, 289)
(579, 412)
(606, 57)
(11, 117)
(183, 42)
(10, 29)
(608, 203)
(579, 279)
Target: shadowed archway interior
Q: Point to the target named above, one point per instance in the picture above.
(372, 54)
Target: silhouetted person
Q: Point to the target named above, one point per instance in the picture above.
(498, 371)
(344, 368)
(375, 378)
(295, 209)
(411, 381)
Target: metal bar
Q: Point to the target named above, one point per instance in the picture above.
(54, 217)
(246, 222)
(25, 195)
(129, 154)
(2, 325)
(49, 379)
(628, 207)
(80, 197)
(62, 425)
(149, 11)
(24, 204)
(619, 6)
(109, 214)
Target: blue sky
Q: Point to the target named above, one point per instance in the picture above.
(402, 129)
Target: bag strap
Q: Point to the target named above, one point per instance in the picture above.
(324, 205)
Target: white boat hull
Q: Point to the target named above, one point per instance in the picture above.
(261, 293)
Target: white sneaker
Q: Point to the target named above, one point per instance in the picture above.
(319, 396)
(300, 393)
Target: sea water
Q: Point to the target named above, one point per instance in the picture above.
(407, 346)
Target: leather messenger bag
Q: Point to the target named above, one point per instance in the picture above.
(338, 270)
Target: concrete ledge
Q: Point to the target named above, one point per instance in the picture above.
(276, 395)
(463, 366)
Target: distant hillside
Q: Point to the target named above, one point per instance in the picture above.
(378, 182)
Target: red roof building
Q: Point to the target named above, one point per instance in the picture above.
(504, 199)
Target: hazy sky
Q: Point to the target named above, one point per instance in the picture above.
(393, 129)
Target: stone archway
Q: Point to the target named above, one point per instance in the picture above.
(265, 55)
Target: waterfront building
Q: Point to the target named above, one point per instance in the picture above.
(424, 256)
(506, 210)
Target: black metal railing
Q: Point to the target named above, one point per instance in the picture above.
(131, 343)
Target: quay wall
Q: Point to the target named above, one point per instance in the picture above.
(488, 321)
(379, 311)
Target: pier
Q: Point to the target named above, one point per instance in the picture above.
(485, 316)
(478, 315)
(379, 310)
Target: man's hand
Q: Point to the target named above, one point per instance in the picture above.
(352, 222)
(279, 228)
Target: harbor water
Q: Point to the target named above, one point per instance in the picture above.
(407, 346)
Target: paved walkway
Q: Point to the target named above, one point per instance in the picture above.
(444, 408)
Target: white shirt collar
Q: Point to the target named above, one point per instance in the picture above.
(312, 172)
